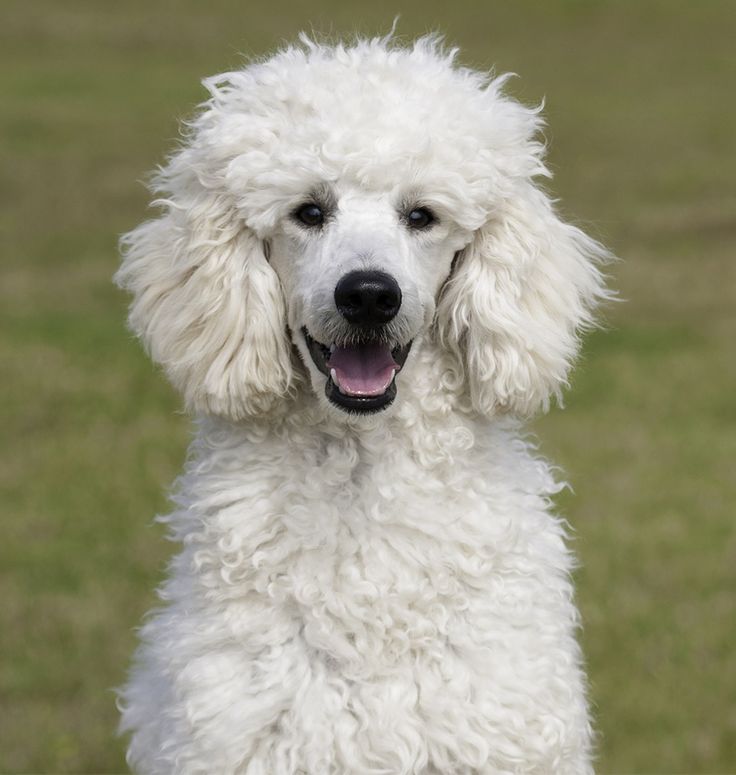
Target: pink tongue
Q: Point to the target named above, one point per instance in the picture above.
(363, 370)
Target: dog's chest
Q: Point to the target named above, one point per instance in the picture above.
(374, 558)
(385, 597)
(373, 565)
(403, 603)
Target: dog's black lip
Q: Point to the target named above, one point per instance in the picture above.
(319, 352)
(354, 404)
(360, 404)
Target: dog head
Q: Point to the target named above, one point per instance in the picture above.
(341, 203)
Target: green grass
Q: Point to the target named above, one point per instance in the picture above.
(642, 126)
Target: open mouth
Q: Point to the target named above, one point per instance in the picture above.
(361, 377)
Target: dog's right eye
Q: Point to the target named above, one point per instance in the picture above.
(310, 215)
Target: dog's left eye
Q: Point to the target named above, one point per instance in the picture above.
(419, 218)
(310, 215)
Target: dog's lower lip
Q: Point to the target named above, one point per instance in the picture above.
(359, 404)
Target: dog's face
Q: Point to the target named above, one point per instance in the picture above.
(361, 272)
(344, 202)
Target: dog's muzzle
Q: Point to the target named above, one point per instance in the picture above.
(361, 369)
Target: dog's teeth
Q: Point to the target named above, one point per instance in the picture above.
(333, 375)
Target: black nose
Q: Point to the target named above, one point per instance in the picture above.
(368, 298)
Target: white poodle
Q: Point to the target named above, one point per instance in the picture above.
(361, 291)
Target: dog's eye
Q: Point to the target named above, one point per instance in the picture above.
(310, 215)
(419, 218)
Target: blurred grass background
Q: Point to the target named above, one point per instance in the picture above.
(640, 102)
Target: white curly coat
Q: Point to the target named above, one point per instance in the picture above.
(383, 593)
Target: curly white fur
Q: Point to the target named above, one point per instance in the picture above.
(361, 594)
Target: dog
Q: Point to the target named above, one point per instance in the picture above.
(362, 291)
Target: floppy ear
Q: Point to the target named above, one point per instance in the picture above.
(208, 307)
(520, 295)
